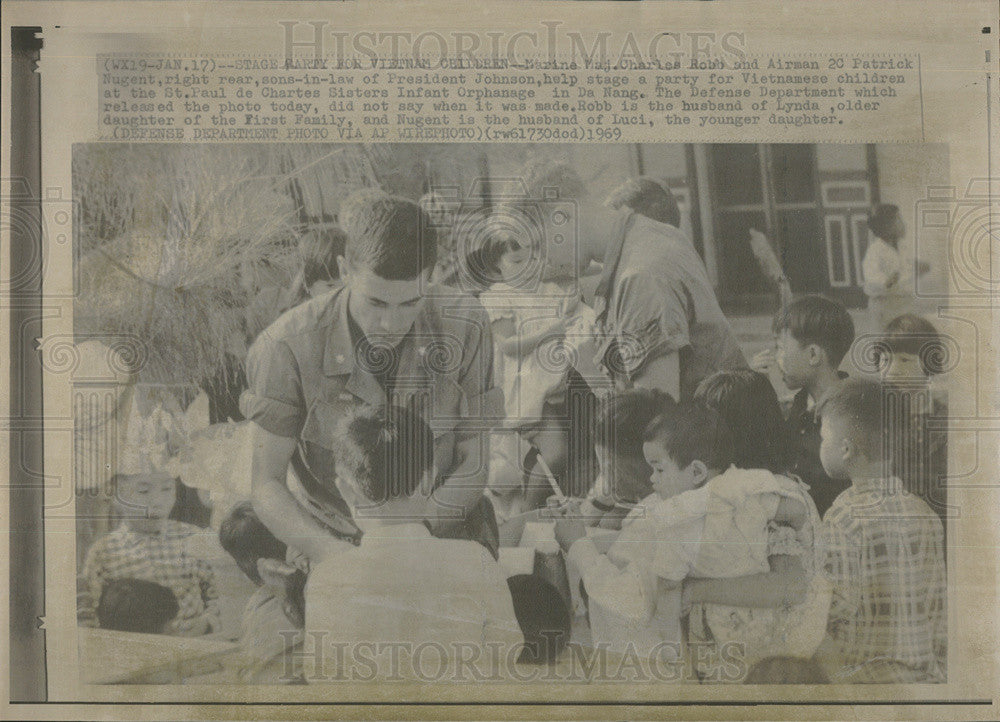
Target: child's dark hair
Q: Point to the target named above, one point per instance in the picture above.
(243, 535)
(543, 616)
(127, 510)
(691, 432)
(484, 263)
(912, 334)
(136, 605)
(618, 428)
(821, 321)
(859, 404)
(749, 406)
(786, 670)
(386, 450)
(390, 236)
(882, 222)
(319, 249)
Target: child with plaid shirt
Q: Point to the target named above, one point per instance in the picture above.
(150, 546)
(887, 621)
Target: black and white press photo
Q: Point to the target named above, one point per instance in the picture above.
(664, 413)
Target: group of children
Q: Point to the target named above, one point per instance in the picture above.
(726, 541)
(770, 541)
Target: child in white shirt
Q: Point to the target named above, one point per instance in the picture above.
(538, 328)
(700, 521)
(402, 589)
(888, 280)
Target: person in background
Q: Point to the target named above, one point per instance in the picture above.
(813, 334)
(648, 197)
(662, 325)
(136, 605)
(885, 559)
(534, 322)
(888, 280)
(148, 545)
(441, 212)
(320, 250)
(912, 353)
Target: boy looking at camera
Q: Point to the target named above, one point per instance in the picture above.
(150, 546)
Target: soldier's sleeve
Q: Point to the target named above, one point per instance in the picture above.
(274, 399)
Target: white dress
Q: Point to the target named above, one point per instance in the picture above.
(527, 381)
(885, 300)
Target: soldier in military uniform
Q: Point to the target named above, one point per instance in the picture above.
(385, 335)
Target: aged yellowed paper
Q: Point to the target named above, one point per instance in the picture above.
(543, 359)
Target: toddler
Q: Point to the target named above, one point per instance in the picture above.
(700, 520)
(911, 353)
(148, 545)
(538, 327)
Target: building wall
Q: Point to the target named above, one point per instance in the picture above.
(840, 158)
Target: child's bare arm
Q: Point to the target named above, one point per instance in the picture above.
(791, 512)
(520, 345)
(784, 585)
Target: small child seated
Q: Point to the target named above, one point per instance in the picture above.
(813, 334)
(538, 326)
(699, 521)
(401, 585)
(136, 605)
(911, 354)
(623, 474)
(278, 604)
(149, 545)
(887, 621)
(622, 479)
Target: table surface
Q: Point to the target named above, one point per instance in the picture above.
(110, 657)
